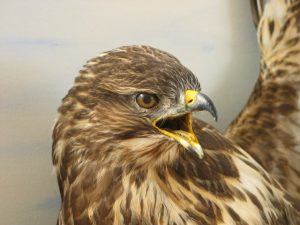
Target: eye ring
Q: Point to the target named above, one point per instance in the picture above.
(146, 100)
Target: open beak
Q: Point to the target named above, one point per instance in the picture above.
(179, 126)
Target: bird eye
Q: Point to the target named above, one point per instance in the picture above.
(147, 101)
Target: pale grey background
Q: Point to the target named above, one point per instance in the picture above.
(44, 43)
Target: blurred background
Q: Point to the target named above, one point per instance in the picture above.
(43, 45)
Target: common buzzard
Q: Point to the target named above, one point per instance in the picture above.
(128, 151)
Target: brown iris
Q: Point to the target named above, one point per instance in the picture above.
(147, 101)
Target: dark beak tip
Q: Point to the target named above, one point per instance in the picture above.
(215, 114)
(216, 118)
(205, 103)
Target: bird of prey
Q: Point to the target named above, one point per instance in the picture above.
(127, 150)
(269, 125)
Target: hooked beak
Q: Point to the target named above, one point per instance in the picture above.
(196, 101)
(178, 126)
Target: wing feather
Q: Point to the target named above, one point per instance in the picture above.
(269, 125)
(256, 9)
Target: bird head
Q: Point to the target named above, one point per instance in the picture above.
(136, 101)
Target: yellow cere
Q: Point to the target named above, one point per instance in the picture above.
(190, 96)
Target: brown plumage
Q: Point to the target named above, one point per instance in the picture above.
(116, 166)
(123, 158)
(269, 126)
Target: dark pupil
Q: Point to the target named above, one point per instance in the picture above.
(147, 99)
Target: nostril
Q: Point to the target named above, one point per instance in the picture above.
(190, 96)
